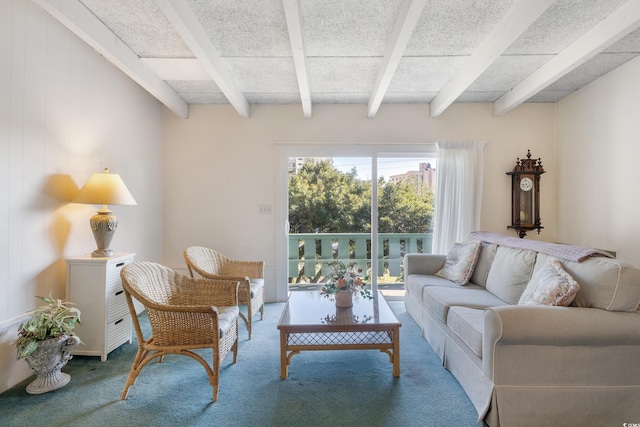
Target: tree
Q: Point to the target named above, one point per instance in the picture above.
(404, 207)
(325, 200)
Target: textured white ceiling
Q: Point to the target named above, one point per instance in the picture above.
(345, 43)
(455, 27)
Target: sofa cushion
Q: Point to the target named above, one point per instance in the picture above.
(416, 282)
(439, 299)
(550, 285)
(510, 273)
(467, 324)
(460, 262)
(485, 259)
(605, 283)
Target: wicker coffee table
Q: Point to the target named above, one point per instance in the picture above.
(311, 321)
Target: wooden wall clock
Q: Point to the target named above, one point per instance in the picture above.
(525, 195)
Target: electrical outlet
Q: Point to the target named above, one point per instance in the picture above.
(264, 209)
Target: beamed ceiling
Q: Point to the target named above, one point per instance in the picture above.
(371, 52)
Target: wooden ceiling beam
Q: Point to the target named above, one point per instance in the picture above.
(79, 20)
(520, 17)
(292, 15)
(608, 31)
(410, 13)
(186, 23)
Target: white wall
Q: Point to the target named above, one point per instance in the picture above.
(598, 151)
(219, 167)
(65, 112)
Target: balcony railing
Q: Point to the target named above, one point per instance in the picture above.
(309, 254)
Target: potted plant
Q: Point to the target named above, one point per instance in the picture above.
(45, 341)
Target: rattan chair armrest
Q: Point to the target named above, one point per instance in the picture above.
(221, 276)
(244, 282)
(253, 269)
(206, 291)
(183, 308)
(196, 325)
(234, 278)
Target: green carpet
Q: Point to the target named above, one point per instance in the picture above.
(324, 388)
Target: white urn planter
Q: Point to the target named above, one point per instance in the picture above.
(47, 360)
(45, 340)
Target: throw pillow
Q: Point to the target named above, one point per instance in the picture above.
(460, 262)
(551, 285)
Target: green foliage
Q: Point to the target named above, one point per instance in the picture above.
(48, 321)
(404, 207)
(325, 200)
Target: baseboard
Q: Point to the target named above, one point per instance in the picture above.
(12, 371)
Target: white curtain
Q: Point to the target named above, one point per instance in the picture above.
(458, 193)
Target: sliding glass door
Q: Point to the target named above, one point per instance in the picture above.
(405, 209)
(332, 209)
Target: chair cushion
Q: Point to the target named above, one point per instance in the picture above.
(467, 324)
(256, 286)
(226, 317)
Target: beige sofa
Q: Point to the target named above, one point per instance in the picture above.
(534, 365)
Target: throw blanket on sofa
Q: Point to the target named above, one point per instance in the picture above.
(568, 252)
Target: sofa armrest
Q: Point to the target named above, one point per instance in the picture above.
(422, 263)
(528, 333)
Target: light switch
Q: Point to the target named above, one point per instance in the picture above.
(264, 209)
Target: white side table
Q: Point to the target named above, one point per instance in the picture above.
(95, 287)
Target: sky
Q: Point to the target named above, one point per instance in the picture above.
(387, 166)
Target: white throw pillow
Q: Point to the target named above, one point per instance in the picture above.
(551, 285)
(460, 262)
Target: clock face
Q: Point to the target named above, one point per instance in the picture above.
(526, 184)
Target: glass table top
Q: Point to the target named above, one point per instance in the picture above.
(312, 308)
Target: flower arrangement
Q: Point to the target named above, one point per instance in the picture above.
(345, 278)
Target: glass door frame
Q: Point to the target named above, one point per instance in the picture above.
(297, 149)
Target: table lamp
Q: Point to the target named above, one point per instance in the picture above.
(104, 189)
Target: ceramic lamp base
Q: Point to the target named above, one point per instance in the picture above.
(103, 225)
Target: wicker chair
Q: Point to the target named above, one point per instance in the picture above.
(211, 264)
(184, 314)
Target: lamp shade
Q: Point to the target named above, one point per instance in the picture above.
(104, 188)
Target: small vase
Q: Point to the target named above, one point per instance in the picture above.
(47, 360)
(344, 299)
